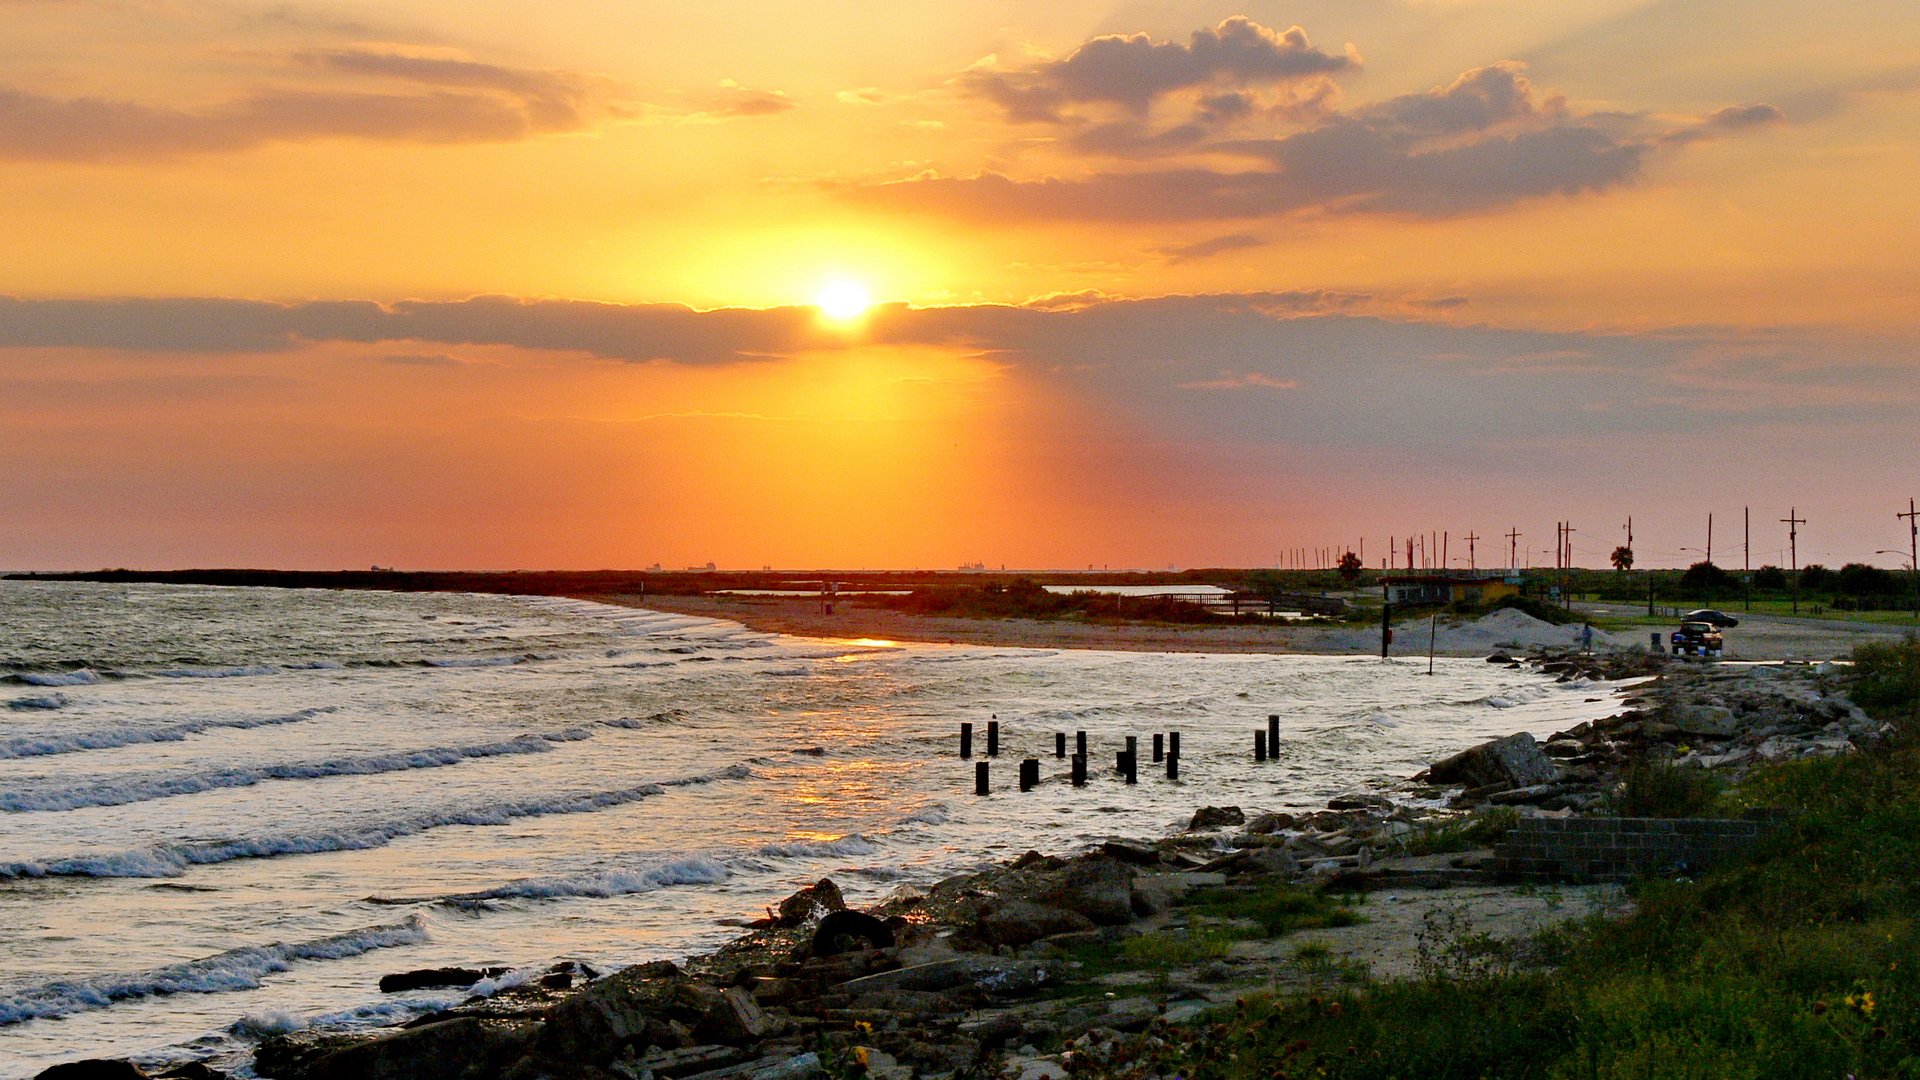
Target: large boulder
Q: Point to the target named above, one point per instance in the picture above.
(1099, 888)
(850, 931)
(1515, 761)
(432, 978)
(1018, 922)
(812, 902)
(735, 1019)
(93, 1069)
(466, 1048)
(637, 1007)
(1214, 817)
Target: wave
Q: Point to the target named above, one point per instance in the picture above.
(82, 677)
(935, 814)
(242, 672)
(693, 870)
(171, 860)
(43, 702)
(144, 789)
(42, 745)
(473, 661)
(609, 883)
(235, 969)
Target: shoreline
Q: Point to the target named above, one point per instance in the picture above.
(1760, 639)
(1034, 951)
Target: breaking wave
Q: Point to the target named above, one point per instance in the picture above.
(42, 745)
(143, 789)
(171, 860)
(235, 969)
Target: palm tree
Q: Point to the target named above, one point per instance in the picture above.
(1622, 558)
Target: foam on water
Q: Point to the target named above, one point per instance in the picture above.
(235, 969)
(21, 746)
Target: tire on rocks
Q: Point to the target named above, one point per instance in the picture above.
(850, 931)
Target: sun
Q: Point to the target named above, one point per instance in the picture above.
(842, 299)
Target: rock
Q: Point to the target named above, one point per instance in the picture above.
(430, 978)
(1137, 854)
(465, 1048)
(1214, 817)
(93, 1069)
(797, 1067)
(1006, 978)
(628, 1008)
(1695, 719)
(815, 900)
(850, 931)
(794, 1068)
(1360, 802)
(191, 1070)
(1500, 658)
(1018, 922)
(1101, 889)
(736, 1019)
(1268, 824)
(1515, 760)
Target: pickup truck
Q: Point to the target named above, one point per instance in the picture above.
(1697, 639)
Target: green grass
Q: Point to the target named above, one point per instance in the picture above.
(1476, 830)
(1276, 909)
(1800, 961)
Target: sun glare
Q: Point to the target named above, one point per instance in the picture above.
(843, 300)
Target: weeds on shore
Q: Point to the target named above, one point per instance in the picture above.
(1652, 788)
(1801, 961)
(1477, 830)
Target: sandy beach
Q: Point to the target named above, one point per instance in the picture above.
(1759, 637)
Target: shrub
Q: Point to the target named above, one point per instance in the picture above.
(1661, 789)
(1886, 678)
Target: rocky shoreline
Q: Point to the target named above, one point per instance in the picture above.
(1048, 965)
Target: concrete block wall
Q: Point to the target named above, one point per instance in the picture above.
(1621, 849)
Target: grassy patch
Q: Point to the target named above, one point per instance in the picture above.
(1477, 830)
(1800, 961)
(1275, 909)
(1661, 789)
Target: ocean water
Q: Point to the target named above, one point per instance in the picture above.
(225, 812)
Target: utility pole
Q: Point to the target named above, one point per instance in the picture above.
(1746, 554)
(1566, 590)
(1513, 549)
(1709, 538)
(1793, 521)
(1471, 564)
(1445, 564)
(1913, 551)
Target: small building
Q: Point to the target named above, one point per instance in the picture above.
(1469, 588)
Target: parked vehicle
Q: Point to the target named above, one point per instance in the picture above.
(1697, 639)
(1710, 615)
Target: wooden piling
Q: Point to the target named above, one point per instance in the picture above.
(1273, 736)
(966, 740)
(1259, 745)
(1059, 744)
(1159, 746)
(1079, 770)
(1080, 743)
(1029, 774)
(993, 738)
(1127, 769)
(1173, 766)
(979, 778)
(1173, 744)
(1133, 744)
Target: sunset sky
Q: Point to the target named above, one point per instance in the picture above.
(331, 283)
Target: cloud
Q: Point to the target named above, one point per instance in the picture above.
(1132, 71)
(1488, 139)
(439, 100)
(1301, 367)
(1206, 249)
(1730, 120)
